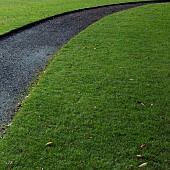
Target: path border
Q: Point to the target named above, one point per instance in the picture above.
(35, 23)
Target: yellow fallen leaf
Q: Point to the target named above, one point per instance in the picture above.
(143, 165)
(50, 144)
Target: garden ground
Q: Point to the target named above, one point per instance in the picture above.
(103, 102)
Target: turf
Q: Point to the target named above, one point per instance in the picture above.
(103, 100)
(17, 13)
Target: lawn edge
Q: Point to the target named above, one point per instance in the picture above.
(32, 24)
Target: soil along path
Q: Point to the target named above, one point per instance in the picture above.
(24, 52)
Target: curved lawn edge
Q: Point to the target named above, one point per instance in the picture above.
(29, 25)
(12, 102)
(110, 132)
(39, 10)
(47, 33)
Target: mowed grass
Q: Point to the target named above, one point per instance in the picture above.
(17, 13)
(103, 100)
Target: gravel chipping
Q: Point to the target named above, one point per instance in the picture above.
(25, 52)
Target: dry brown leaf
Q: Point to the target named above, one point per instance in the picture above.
(139, 156)
(143, 146)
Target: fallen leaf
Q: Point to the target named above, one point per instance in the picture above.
(50, 144)
(143, 165)
(26, 97)
(8, 125)
(139, 102)
(139, 156)
(9, 162)
(143, 146)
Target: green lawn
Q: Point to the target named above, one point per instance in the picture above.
(17, 13)
(104, 95)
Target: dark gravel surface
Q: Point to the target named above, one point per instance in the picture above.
(24, 53)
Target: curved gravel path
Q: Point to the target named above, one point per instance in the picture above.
(25, 52)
